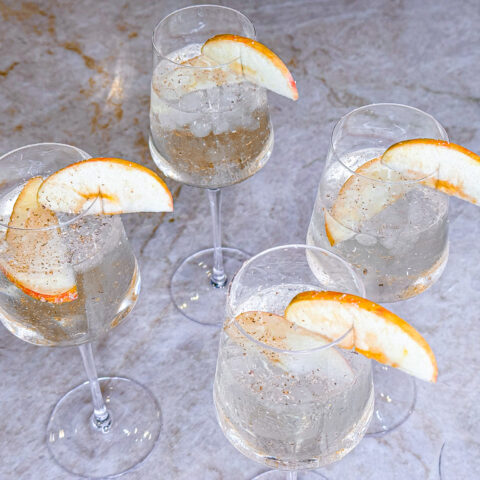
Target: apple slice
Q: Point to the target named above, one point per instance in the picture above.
(254, 61)
(378, 333)
(277, 332)
(36, 260)
(117, 185)
(361, 197)
(456, 172)
(458, 168)
(180, 81)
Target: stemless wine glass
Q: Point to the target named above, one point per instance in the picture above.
(401, 250)
(209, 128)
(290, 409)
(122, 426)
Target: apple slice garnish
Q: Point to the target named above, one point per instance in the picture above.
(183, 80)
(113, 185)
(441, 165)
(457, 169)
(378, 333)
(361, 197)
(277, 332)
(36, 260)
(252, 60)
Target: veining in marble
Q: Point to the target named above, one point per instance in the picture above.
(79, 72)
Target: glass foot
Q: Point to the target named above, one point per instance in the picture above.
(459, 458)
(192, 291)
(284, 475)
(81, 449)
(395, 398)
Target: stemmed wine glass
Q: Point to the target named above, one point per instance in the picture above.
(295, 408)
(120, 429)
(215, 134)
(398, 249)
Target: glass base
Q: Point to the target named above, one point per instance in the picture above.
(78, 447)
(192, 291)
(459, 458)
(395, 398)
(284, 475)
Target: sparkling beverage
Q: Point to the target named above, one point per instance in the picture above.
(106, 276)
(401, 250)
(286, 409)
(209, 127)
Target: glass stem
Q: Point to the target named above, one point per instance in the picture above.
(292, 476)
(218, 278)
(101, 418)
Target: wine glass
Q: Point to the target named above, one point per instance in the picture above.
(291, 409)
(121, 427)
(399, 249)
(213, 135)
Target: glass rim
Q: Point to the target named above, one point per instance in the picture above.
(60, 224)
(376, 180)
(299, 246)
(158, 51)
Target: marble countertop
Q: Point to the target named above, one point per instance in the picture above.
(79, 72)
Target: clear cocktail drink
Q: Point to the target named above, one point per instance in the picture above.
(211, 135)
(402, 249)
(106, 276)
(389, 224)
(284, 396)
(290, 410)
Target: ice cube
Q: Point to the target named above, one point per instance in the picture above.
(388, 241)
(231, 94)
(401, 241)
(193, 102)
(366, 240)
(181, 119)
(224, 122)
(221, 124)
(201, 127)
(213, 100)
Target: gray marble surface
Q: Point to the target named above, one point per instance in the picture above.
(78, 72)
